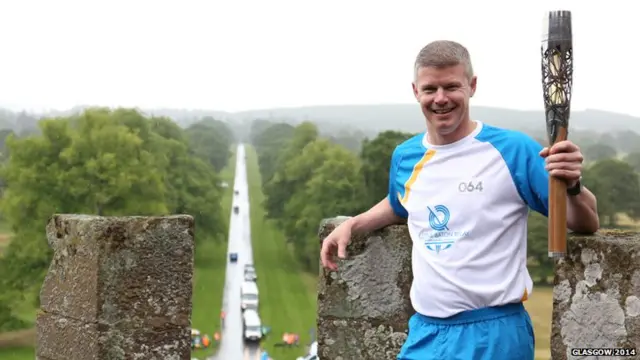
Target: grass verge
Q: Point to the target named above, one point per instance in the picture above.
(209, 272)
(287, 295)
(540, 308)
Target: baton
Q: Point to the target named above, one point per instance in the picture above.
(557, 79)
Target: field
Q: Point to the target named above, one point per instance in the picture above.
(287, 295)
(207, 297)
(540, 307)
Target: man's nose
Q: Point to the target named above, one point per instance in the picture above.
(441, 97)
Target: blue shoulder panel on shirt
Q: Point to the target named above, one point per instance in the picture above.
(521, 154)
(404, 158)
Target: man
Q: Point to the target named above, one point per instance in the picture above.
(464, 189)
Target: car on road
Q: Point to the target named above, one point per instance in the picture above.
(249, 295)
(236, 192)
(250, 274)
(233, 257)
(236, 209)
(251, 326)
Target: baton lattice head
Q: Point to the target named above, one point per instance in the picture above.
(557, 80)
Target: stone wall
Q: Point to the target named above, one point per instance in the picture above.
(117, 288)
(596, 295)
(363, 308)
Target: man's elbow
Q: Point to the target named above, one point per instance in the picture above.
(586, 226)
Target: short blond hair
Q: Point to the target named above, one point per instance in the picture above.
(443, 53)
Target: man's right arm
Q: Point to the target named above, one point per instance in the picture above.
(379, 216)
(387, 212)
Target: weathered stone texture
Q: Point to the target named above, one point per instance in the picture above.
(363, 309)
(596, 295)
(117, 288)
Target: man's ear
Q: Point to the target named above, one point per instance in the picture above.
(472, 84)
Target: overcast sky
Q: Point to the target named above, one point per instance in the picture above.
(237, 55)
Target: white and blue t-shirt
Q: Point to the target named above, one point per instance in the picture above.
(466, 205)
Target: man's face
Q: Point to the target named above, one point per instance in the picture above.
(443, 94)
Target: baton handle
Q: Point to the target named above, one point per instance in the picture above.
(558, 210)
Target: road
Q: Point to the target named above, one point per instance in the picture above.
(231, 344)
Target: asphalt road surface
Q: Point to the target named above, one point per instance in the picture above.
(232, 345)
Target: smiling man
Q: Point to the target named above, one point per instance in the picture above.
(465, 188)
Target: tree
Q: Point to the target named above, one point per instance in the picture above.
(211, 141)
(376, 160)
(599, 151)
(628, 141)
(351, 140)
(190, 181)
(617, 188)
(282, 186)
(108, 169)
(103, 162)
(538, 261)
(633, 159)
(329, 183)
(269, 144)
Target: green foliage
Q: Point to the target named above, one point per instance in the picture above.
(211, 141)
(617, 188)
(306, 178)
(104, 162)
(269, 141)
(538, 261)
(329, 184)
(281, 186)
(633, 159)
(376, 161)
(599, 151)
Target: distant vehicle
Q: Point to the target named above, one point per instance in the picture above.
(236, 192)
(313, 353)
(251, 326)
(250, 276)
(233, 257)
(236, 209)
(250, 273)
(249, 295)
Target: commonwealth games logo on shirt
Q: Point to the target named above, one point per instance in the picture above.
(440, 237)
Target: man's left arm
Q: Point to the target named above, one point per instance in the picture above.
(582, 212)
(564, 161)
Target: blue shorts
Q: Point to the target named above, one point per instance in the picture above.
(496, 333)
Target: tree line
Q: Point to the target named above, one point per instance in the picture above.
(307, 177)
(104, 162)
